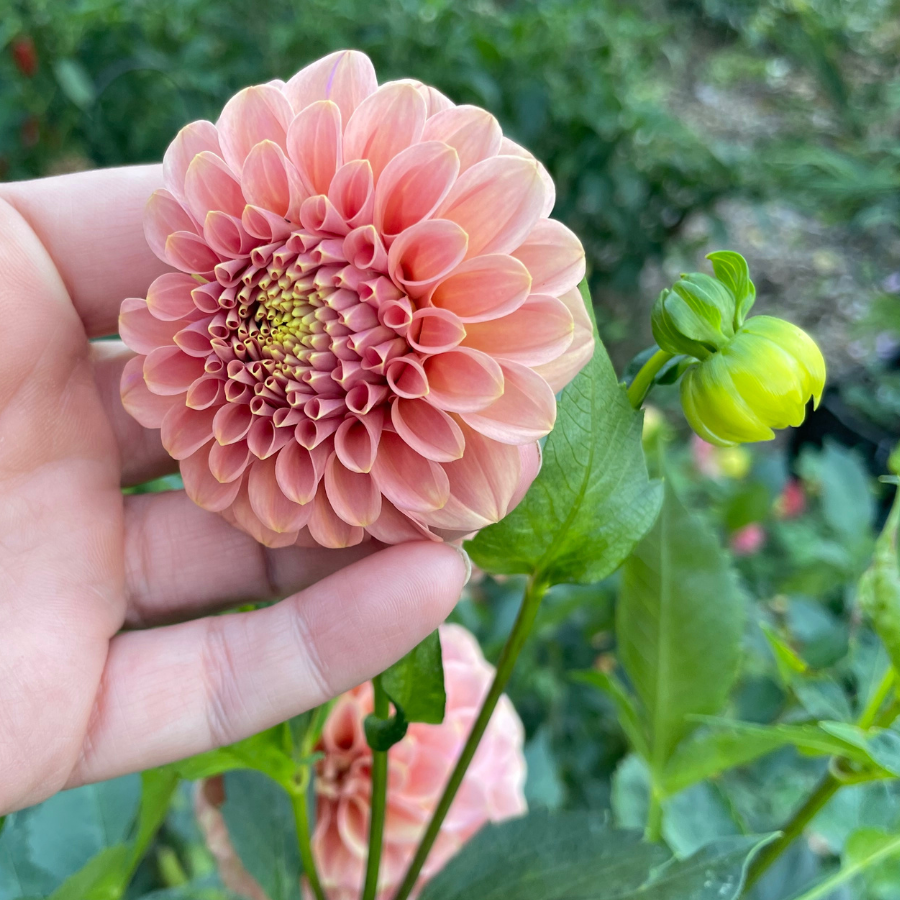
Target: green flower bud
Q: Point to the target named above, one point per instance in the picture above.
(759, 380)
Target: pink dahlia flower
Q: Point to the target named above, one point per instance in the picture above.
(371, 312)
(749, 540)
(418, 769)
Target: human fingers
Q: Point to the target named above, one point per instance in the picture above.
(183, 689)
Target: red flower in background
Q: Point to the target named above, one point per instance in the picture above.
(25, 55)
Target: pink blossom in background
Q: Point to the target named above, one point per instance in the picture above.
(791, 503)
(748, 540)
(419, 766)
(370, 315)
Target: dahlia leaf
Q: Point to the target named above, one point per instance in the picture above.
(382, 734)
(592, 501)
(415, 683)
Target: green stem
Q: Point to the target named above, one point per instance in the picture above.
(827, 788)
(653, 832)
(531, 601)
(824, 888)
(870, 713)
(379, 797)
(304, 844)
(643, 381)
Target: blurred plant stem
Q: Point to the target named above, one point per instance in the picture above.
(298, 792)
(876, 701)
(531, 601)
(379, 797)
(643, 381)
(653, 831)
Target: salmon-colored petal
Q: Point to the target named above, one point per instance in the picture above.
(525, 412)
(425, 253)
(354, 496)
(393, 527)
(264, 224)
(314, 145)
(483, 288)
(356, 441)
(352, 192)
(409, 480)
(206, 391)
(242, 514)
(319, 214)
(539, 331)
(299, 471)
(406, 377)
(264, 438)
(148, 408)
(201, 486)
(168, 371)
(210, 184)
(530, 457)
(428, 430)
(190, 253)
(259, 113)
(329, 529)
(346, 77)
(276, 511)
(232, 423)
(474, 133)
(185, 430)
(554, 256)
(142, 331)
(563, 369)
(191, 140)
(164, 215)
(463, 380)
(169, 296)
(364, 249)
(226, 236)
(412, 186)
(227, 462)
(270, 181)
(386, 122)
(435, 101)
(510, 148)
(435, 331)
(496, 202)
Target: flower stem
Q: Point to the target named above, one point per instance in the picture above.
(297, 791)
(870, 713)
(653, 831)
(531, 601)
(379, 797)
(827, 788)
(643, 381)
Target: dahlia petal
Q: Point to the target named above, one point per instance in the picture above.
(142, 331)
(185, 430)
(329, 529)
(226, 235)
(227, 462)
(169, 296)
(205, 392)
(310, 434)
(483, 288)
(314, 145)
(168, 371)
(354, 496)
(299, 471)
(539, 331)
(210, 185)
(148, 408)
(264, 439)
(319, 214)
(392, 527)
(409, 480)
(412, 186)
(435, 101)
(242, 514)
(554, 256)
(510, 148)
(482, 484)
(194, 138)
(352, 192)
(270, 181)
(356, 441)
(191, 254)
(531, 458)
(164, 215)
(276, 511)
(496, 202)
(427, 429)
(435, 331)
(386, 122)
(463, 380)
(346, 77)
(232, 423)
(563, 369)
(264, 224)
(258, 113)
(525, 412)
(425, 253)
(200, 485)
(406, 376)
(364, 249)
(474, 133)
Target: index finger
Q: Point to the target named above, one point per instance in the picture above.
(91, 223)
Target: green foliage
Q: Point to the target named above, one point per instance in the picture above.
(592, 500)
(415, 683)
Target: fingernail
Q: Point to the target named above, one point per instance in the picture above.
(467, 562)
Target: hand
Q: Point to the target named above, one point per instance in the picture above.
(81, 699)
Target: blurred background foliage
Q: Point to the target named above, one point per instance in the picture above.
(671, 127)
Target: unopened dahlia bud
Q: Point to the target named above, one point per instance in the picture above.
(758, 381)
(370, 316)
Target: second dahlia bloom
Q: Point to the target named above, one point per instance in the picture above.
(371, 312)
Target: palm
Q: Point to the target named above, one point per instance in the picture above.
(80, 699)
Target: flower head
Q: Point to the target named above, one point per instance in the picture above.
(748, 540)
(370, 317)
